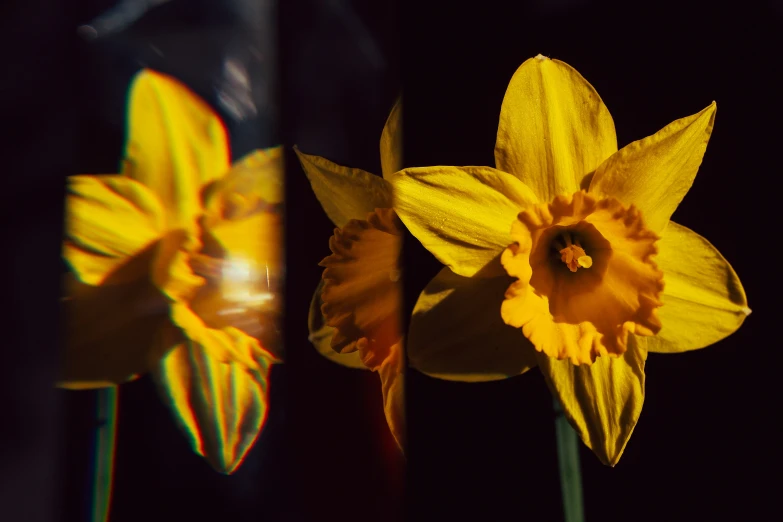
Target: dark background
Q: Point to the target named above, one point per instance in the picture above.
(707, 444)
(707, 441)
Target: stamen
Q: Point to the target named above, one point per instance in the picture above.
(572, 254)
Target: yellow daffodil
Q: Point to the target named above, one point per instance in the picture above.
(355, 313)
(569, 242)
(175, 262)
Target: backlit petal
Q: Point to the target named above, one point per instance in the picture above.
(345, 193)
(655, 173)
(703, 300)
(321, 335)
(554, 129)
(221, 407)
(461, 214)
(601, 401)
(456, 332)
(175, 146)
(108, 219)
(391, 141)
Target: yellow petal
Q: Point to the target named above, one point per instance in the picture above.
(345, 193)
(456, 332)
(392, 374)
(176, 145)
(220, 407)
(321, 335)
(254, 183)
(108, 219)
(554, 129)
(703, 300)
(391, 141)
(601, 401)
(228, 344)
(115, 332)
(462, 215)
(655, 173)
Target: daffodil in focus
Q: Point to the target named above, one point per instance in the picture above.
(355, 312)
(568, 243)
(175, 263)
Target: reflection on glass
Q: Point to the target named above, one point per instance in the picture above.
(176, 270)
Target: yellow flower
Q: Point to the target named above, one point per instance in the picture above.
(355, 312)
(175, 262)
(583, 231)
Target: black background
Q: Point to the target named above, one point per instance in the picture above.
(707, 444)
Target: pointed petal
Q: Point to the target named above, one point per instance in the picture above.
(108, 219)
(391, 141)
(703, 300)
(554, 129)
(655, 173)
(344, 193)
(456, 332)
(462, 215)
(221, 407)
(321, 335)
(392, 374)
(226, 344)
(176, 144)
(601, 401)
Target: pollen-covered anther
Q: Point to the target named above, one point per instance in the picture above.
(573, 255)
(575, 314)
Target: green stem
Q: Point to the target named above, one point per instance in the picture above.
(568, 460)
(104, 453)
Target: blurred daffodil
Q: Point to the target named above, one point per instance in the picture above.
(175, 264)
(569, 242)
(355, 312)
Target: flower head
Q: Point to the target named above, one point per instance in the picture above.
(185, 247)
(599, 274)
(355, 316)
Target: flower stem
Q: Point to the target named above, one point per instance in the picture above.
(568, 460)
(105, 435)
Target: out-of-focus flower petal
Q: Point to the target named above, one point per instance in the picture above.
(221, 407)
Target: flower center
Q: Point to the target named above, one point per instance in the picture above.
(571, 251)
